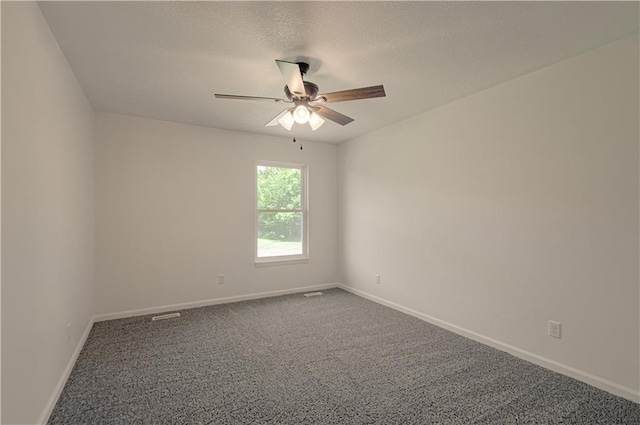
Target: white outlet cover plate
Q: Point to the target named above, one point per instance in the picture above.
(555, 329)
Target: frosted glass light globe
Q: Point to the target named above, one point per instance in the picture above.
(301, 114)
(286, 121)
(315, 121)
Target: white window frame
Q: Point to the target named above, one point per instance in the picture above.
(304, 205)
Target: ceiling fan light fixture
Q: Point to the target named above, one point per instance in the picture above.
(315, 121)
(307, 103)
(301, 114)
(287, 121)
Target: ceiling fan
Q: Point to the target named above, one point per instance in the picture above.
(308, 104)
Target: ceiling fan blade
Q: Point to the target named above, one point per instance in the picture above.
(353, 94)
(292, 75)
(332, 115)
(276, 121)
(233, 96)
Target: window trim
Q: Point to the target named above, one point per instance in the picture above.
(304, 204)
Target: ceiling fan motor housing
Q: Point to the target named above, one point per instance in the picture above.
(310, 88)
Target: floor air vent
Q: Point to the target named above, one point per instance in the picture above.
(313, 294)
(165, 316)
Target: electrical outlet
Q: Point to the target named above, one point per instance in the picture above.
(377, 279)
(220, 279)
(68, 331)
(555, 329)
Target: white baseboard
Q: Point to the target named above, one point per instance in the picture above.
(603, 384)
(44, 417)
(214, 301)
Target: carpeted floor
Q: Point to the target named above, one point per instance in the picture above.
(333, 359)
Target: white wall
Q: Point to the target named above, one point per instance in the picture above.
(47, 213)
(511, 207)
(175, 208)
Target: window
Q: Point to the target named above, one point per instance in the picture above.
(281, 212)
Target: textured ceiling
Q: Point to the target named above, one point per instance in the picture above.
(166, 59)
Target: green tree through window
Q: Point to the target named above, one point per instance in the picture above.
(281, 214)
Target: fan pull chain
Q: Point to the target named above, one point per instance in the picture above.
(294, 140)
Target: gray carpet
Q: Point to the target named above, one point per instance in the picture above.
(335, 359)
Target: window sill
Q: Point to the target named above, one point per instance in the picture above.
(280, 262)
